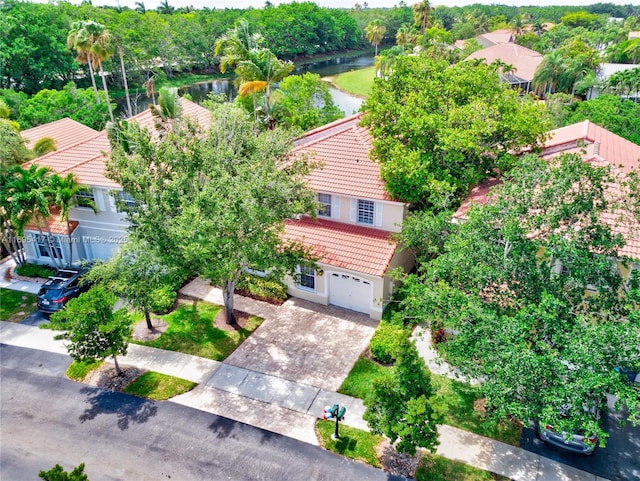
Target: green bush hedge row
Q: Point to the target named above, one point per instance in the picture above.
(35, 270)
(387, 341)
(265, 287)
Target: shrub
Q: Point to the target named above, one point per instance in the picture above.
(35, 270)
(265, 287)
(164, 298)
(387, 342)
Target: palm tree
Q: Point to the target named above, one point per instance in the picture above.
(165, 8)
(549, 71)
(79, 42)
(633, 50)
(405, 36)
(375, 33)
(261, 70)
(140, 8)
(93, 43)
(421, 14)
(64, 191)
(235, 45)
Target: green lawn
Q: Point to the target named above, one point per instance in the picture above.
(358, 382)
(16, 305)
(437, 468)
(191, 331)
(78, 370)
(153, 385)
(353, 443)
(357, 82)
(458, 403)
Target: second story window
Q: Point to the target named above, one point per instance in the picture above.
(85, 198)
(128, 200)
(324, 209)
(366, 211)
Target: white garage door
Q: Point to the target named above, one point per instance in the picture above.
(350, 292)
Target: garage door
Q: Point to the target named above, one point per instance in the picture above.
(350, 292)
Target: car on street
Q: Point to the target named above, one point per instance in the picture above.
(577, 442)
(60, 288)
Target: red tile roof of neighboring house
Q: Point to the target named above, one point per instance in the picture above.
(86, 158)
(65, 133)
(342, 149)
(56, 225)
(496, 37)
(599, 147)
(524, 60)
(352, 247)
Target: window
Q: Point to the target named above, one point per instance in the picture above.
(127, 200)
(324, 209)
(307, 278)
(48, 246)
(366, 211)
(85, 198)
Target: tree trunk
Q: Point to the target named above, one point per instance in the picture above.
(148, 319)
(93, 81)
(227, 291)
(124, 81)
(115, 361)
(106, 92)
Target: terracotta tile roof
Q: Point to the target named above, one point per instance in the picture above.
(359, 249)
(496, 37)
(600, 145)
(86, 157)
(65, 132)
(524, 60)
(602, 148)
(342, 149)
(56, 225)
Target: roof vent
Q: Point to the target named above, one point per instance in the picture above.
(596, 148)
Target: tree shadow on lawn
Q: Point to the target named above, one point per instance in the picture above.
(127, 408)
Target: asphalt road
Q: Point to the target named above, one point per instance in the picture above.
(618, 461)
(46, 419)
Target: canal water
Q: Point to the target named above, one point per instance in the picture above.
(199, 91)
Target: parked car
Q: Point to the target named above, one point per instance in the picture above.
(63, 286)
(578, 442)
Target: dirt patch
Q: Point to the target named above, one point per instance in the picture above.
(480, 406)
(105, 376)
(241, 320)
(396, 463)
(142, 333)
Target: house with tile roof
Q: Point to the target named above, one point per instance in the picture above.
(83, 152)
(524, 60)
(352, 235)
(598, 147)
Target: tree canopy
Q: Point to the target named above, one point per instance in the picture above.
(439, 129)
(529, 284)
(216, 200)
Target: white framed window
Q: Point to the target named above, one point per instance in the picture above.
(366, 212)
(85, 197)
(324, 209)
(127, 199)
(49, 246)
(307, 280)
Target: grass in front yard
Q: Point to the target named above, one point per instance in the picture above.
(191, 331)
(78, 370)
(353, 443)
(358, 82)
(459, 404)
(358, 382)
(16, 305)
(437, 468)
(153, 385)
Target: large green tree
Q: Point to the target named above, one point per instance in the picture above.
(217, 200)
(375, 33)
(530, 284)
(439, 129)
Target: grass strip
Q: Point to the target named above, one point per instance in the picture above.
(153, 385)
(353, 443)
(16, 305)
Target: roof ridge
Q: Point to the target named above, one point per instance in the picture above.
(328, 136)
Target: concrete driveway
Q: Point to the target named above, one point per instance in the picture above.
(307, 343)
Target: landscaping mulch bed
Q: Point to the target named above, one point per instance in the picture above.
(241, 320)
(396, 463)
(105, 377)
(142, 333)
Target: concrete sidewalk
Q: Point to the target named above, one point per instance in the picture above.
(291, 409)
